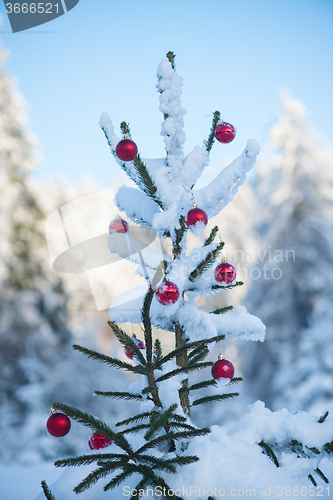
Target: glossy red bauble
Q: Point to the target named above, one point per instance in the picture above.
(126, 150)
(58, 425)
(118, 226)
(225, 132)
(223, 369)
(225, 273)
(139, 344)
(167, 293)
(196, 220)
(98, 441)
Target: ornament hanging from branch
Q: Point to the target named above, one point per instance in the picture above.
(167, 293)
(98, 441)
(126, 150)
(196, 220)
(225, 273)
(138, 343)
(118, 225)
(58, 424)
(223, 370)
(225, 132)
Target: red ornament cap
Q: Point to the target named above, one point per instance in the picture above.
(196, 220)
(58, 425)
(167, 293)
(139, 344)
(225, 132)
(98, 441)
(223, 369)
(126, 150)
(225, 273)
(118, 225)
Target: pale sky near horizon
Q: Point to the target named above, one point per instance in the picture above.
(102, 56)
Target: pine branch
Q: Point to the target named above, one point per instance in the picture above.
(199, 357)
(179, 234)
(136, 428)
(322, 475)
(148, 187)
(310, 476)
(227, 287)
(269, 452)
(197, 350)
(135, 418)
(211, 137)
(323, 418)
(206, 263)
(185, 369)
(97, 474)
(158, 463)
(116, 481)
(171, 56)
(213, 398)
(222, 310)
(47, 491)
(127, 396)
(203, 384)
(114, 362)
(181, 425)
(95, 424)
(160, 420)
(125, 129)
(175, 436)
(147, 323)
(188, 346)
(126, 341)
(211, 237)
(235, 380)
(88, 459)
(158, 354)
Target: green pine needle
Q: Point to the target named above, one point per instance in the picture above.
(269, 452)
(222, 310)
(127, 396)
(135, 418)
(185, 369)
(88, 459)
(47, 492)
(211, 137)
(310, 476)
(206, 263)
(211, 237)
(323, 418)
(114, 362)
(322, 475)
(214, 398)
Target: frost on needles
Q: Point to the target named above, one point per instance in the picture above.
(157, 445)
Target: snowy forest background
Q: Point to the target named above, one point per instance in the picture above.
(278, 233)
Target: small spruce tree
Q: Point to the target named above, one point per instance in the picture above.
(154, 441)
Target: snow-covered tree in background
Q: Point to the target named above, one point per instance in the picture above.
(294, 189)
(158, 436)
(35, 338)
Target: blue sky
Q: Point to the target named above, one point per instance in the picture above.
(103, 55)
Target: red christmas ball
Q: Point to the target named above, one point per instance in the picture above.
(98, 441)
(167, 293)
(126, 150)
(223, 369)
(58, 425)
(118, 226)
(225, 132)
(196, 220)
(139, 344)
(225, 273)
